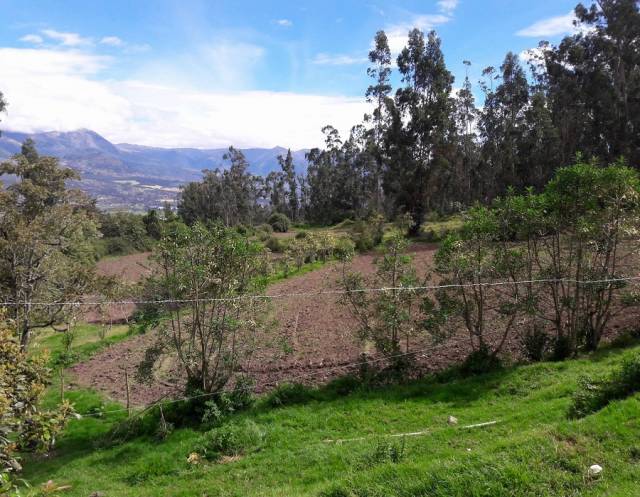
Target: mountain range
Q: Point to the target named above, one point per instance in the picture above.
(135, 177)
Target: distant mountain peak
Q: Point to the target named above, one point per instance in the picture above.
(133, 176)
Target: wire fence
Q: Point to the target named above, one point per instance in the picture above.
(301, 376)
(335, 292)
(320, 370)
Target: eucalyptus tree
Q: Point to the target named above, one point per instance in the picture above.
(378, 93)
(502, 125)
(289, 172)
(420, 135)
(231, 195)
(3, 104)
(592, 79)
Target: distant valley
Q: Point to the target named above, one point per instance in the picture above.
(135, 177)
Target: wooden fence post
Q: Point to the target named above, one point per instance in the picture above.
(126, 382)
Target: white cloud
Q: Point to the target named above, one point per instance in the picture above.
(66, 39)
(552, 26)
(112, 41)
(397, 34)
(284, 22)
(35, 39)
(447, 6)
(337, 59)
(534, 56)
(52, 90)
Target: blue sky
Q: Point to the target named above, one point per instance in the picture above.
(249, 73)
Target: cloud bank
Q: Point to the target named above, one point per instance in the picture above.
(63, 90)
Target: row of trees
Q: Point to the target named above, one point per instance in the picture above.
(426, 146)
(549, 267)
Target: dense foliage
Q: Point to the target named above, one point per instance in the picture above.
(47, 241)
(207, 271)
(549, 266)
(426, 148)
(24, 425)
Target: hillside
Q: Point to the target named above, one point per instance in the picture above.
(135, 177)
(531, 450)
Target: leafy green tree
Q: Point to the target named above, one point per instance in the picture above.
(590, 213)
(468, 265)
(152, 224)
(24, 425)
(47, 239)
(211, 270)
(391, 317)
(124, 232)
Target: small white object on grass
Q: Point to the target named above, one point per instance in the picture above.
(452, 420)
(595, 470)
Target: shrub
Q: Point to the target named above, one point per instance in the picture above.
(289, 394)
(593, 394)
(562, 348)
(274, 244)
(23, 379)
(344, 385)
(279, 222)
(480, 361)
(367, 234)
(534, 344)
(233, 439)
(227, 403)
(300, 235)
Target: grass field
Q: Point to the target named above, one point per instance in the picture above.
(533, 450)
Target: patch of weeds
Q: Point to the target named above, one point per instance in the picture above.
(288, 394)
(152, 466)
(384, 451)
(231, 440)
(593, 394)
(479, 362)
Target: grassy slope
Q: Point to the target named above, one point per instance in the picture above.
(533, 451)
(86, 341)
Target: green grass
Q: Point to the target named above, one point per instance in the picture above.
(86, 343)
(533, 450)
(435, 231)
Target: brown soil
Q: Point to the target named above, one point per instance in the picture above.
(128, 269)
(313, 340)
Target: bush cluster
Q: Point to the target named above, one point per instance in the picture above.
(231, 440)
(593, 394)
(367, 233)
(312, 247)
(279, 222)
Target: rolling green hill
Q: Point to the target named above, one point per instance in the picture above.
(533, 449)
